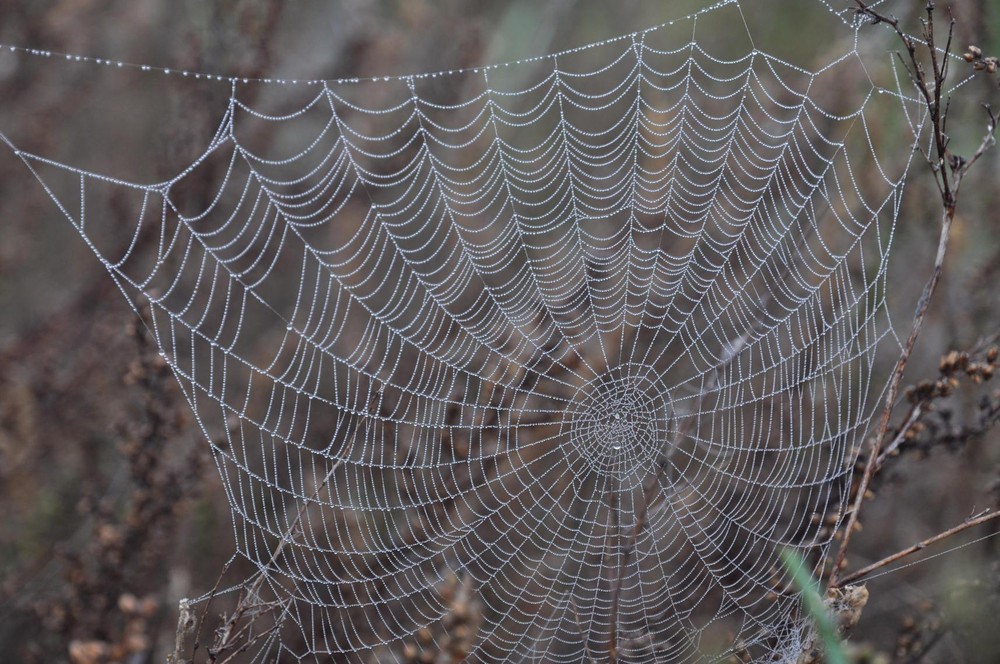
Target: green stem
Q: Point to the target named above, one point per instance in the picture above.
(814, 606)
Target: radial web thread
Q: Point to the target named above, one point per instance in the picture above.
(583, 341)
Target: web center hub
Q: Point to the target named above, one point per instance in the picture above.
(620, 422)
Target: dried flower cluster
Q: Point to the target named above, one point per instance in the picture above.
(134, 640)
(951, 366)
(918, 635)
(974, 55)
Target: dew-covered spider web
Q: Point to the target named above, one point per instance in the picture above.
(538, 362)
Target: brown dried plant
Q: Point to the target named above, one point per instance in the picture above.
(949, 170)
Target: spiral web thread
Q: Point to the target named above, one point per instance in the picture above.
(552, 370)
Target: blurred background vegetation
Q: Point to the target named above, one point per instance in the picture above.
(112, 511)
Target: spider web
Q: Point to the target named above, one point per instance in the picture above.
(551, 370)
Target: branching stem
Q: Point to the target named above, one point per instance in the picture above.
(948, 170)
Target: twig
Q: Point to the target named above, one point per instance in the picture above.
(890, 399)
(204, 611)
(583, 635)
(222, 643)
(949, 170)
(617, 584)
(888, 560)
(912, 418)
(924, 394)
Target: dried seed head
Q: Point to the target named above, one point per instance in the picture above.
(88, 652)
(148, 606)
(128, 603)
(952, 361)
(136, 643)
(975, 51)
(846, 605)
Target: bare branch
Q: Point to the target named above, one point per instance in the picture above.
(948, 173)
(912, 418)
(248, 603)
(583, 634)
(890, 400)
(923, 544)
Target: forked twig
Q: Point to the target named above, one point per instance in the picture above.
(226, 634)
(949, 171)
(911, 418)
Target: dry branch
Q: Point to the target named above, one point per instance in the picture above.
(923, 544)
(949, 171)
